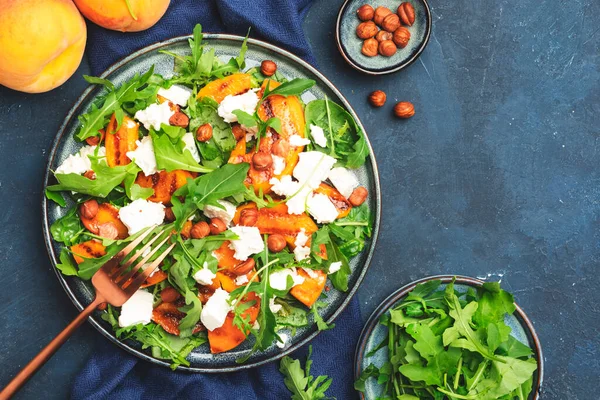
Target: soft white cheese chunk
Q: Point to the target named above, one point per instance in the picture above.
(278, 164)
(246, 102)
(215, 310)
(344, 180)
(275, 308)
(334, 267)
(283, 340)
(241, 280)
(301, 252)
(284, 186)
(297, 141)
(316, 132)
(278, 279)
(310, 272)
(297, 203)
(250, 242)
(137, 310)
(204, 276)
(144, 156)
(79, 163)
(190, 145)
(226, 214)
(301, 238)
(177, 94)
(154, 115)
(141, 214)
(313, 167)
(321, 208)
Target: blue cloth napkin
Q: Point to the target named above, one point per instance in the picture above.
(115, 374)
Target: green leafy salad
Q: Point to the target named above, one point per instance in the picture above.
(257, 188)
(442, 344)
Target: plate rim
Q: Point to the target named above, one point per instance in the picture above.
(397, 294)
(72, 114)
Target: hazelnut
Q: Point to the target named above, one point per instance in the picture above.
(169, 294)
(358, 196)
(200, 230)
(91, 175)
(244, 267)
(404, 109)
(406, 12)
(380, 14)
(179, 119)
(217, 226)
(169, 214)
(249, 216)
(204, 133)
(268, 67)
(366, 30)
(365, 12)
(401, 37)
(94, 140)
(383, 35)
(391, 23)
(108, 230)
(377, 98)
(387, 48)
(238, 132)
(261, 160)
(276, 243)
(281, 148)
(89, 209)
(369, 47)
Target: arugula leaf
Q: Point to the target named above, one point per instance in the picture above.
(353, 230)
(321, 324)
(290, 315)
(66, 266)
(170, 156)
(67, 228)
(300, 383)
(295, 87)
(494, 303)
(339, 279)
(55, 197)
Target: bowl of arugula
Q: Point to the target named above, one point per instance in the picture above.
(134, 154)
(449, 337)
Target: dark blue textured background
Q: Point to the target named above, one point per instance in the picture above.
(496, 175)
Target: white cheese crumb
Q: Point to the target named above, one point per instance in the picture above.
(250, 132)
(275, 308)
(204, 276)
(154, 115)
(310, 272)
(141, 214)
(144, 156)
(283, 340)
(246, 102)
(316, 132)
(278, 279)
(137, 309)
(250, 242)
(297, 141)
(241, 280)
(301, 253)
(321, 208)
(226, 214)
(334, 267)
(344, 180)
(313, 167)
(297, 203)
(278, 164)
(177, 94)
(256, 325)
(79, 163)
(215, 310)
(284, 186)
(301, 238)
(190, 145)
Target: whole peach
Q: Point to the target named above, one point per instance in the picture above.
(42, 43)
(123, 15)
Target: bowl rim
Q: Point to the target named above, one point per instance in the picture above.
(73, 112)
(393, 298)
(395, 67)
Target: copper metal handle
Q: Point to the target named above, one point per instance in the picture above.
(47, 352)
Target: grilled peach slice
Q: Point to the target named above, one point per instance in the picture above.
(230, 85)
(157, 277)
(168, 316)
(119, 142)
(277, 220)
(339, 201)
(230, 336)
(89, 249)
(164, 184)
(107, 214)
(309, 291)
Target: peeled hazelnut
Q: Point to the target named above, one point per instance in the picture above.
(89, 209)
(281, 148)
(169, 214)
(249, 216)
(169, 294)
(204, 133)
(268, 67)
(91, 175)
(377, 98)
(179, 119)
(245, 267)
(369, 47)
(380, 14)
(401, 37)
(406, 12)
(200, 230)
(94, 140)
(387, 48)
(365, 12)
(404, 109)
(217, 226)
(391, 22)
(276, 243)
(262, 160)
(358, 196)
(238, 132)
(383, 35)
(108, 230)
(366, 30)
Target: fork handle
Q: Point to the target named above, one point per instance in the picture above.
(47, 351)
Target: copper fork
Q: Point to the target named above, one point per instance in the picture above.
(115, 282)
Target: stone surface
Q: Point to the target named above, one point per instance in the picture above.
(495, 176)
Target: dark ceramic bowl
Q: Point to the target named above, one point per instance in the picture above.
(373, 333)
(350, 45)
(226, 46)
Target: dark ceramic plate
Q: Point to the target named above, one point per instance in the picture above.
(373, 333)
(81, 292)
(350, 45)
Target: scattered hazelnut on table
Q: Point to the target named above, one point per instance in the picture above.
(365, 12)
(369, 47)
(358, 196)
(204, 133)
(387, 48)
(248, 217)
(406, 12)
(401, 37)
(391, 22)
(217, 226)
(89, 209)
(244, 267)
(383, 35)
(377, 98)
(404, 109)
(366, 30)
(268, 67)
(200, 230)
(276, 243)
(262, 160)
(179, 119)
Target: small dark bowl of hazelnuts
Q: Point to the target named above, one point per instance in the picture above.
(382, 36)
